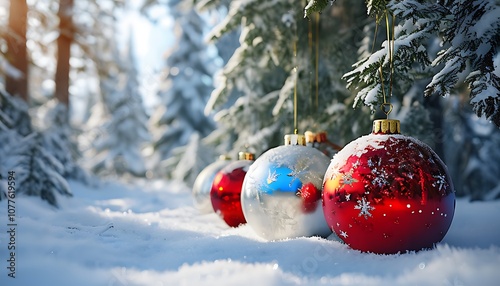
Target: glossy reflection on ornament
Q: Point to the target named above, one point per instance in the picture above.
(388, 193)
(281, 193)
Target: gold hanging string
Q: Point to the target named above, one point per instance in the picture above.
(310, 55)
(376, 32)
(295, 125)
(313, 44)
(386, 106)
(316, 103)
(388, 35)
(380, 72)
(392, 55)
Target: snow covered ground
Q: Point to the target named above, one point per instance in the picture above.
(149, 233)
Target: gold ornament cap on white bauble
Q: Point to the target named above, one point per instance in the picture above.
(295, 139)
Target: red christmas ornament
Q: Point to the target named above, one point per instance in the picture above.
(388, 193)
(226, 190)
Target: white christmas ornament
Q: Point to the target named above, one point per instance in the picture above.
(281, 193)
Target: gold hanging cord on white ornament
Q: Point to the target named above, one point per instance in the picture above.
(313, 41)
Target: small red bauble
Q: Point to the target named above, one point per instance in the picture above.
(226, 190)
(387, 193)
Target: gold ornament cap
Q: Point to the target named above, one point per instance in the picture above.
(224, 157)
(295, 139)
(310, 136)
(321, 137)
(246, 156)
(386, 126)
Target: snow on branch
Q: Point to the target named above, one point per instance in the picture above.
(316, 6)
(471, 37)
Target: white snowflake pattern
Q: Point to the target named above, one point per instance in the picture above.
(272, 177)
(344, 234)
(372, 164)
(348, 179)
(355, 165)
(440, 182)
(301, 171)
(348, 197)
(379, 181)
(364, 208)
(282, 218)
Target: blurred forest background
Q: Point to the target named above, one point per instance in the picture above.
(88, 91)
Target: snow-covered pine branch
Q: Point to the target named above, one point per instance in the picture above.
(316, 6)
(410, 56)
(58, 140)
(470, 35)
(470, 39)
(38, 173)
(14, 113)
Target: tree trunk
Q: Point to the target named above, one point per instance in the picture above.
(16, 83)
(65, 14)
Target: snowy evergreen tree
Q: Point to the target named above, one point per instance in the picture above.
(258, 69)
(58, 138)
(185, 90)
(37, 172)
(94, 55)
(472, 152)
(193, 158)
(14, 114)
(14, 125)
(217, 10)
(470, 36)
(117, 143)
(262, 69)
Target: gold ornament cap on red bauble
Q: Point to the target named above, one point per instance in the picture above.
(246, 156)
(224, 157)
(386, 126)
